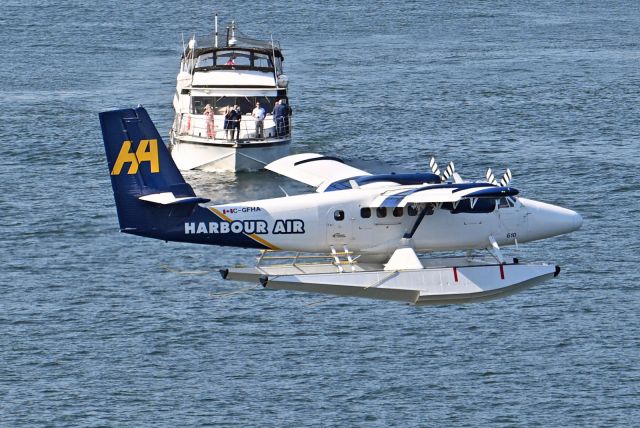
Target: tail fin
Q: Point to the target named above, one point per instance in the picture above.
(147, 185)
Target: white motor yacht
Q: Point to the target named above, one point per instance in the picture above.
(219, 85)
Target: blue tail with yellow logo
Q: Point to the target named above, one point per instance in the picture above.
(152, 198)
(147, 185)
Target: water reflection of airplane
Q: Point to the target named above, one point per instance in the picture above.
(359, 234)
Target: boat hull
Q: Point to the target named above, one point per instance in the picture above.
(218, 155)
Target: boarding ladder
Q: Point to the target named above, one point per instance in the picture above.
(337, 258)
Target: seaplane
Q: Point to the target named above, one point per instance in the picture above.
(384, 236)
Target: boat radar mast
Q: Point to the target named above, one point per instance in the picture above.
(231, 37)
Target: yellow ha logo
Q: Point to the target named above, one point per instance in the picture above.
(147, 152)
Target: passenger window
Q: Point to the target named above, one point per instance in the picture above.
(397, 212)
(381, 212)
(338, 215)
(365, 212)
(412, 210)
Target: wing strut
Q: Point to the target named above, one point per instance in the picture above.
(428, 209)
(494, 249)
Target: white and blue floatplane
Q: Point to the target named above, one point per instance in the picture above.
(358, 234)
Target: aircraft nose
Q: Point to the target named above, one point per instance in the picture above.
(561, 220)
(546, 220)
(577, 220)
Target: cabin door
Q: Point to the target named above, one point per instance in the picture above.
(512, 217)
(339, 227)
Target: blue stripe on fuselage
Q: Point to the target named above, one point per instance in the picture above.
(203, 226)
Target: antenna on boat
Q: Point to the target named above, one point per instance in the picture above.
(215, 40)
(232, 41)
(273, 59)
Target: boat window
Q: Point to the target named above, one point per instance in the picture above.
(205, 60)
(412, 210)
(397, 212)
(231, 58)
(381, 212)
(279, 66)
(365, 212)
(261, 60)
(338, 215)
(219, 103)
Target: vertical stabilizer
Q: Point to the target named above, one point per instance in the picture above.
(141, 167)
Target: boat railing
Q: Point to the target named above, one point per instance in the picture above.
(338, 258)
(196, 125)
(239, 41)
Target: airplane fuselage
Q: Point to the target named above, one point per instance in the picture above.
(315, 222)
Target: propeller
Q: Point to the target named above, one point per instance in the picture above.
(506, 178)
(434, 166)
(490, 177)
(448, 172)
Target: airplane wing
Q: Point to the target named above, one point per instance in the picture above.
(436, 194)
(314, 169)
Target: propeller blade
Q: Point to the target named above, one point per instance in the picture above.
(506, 178)
(434, 166)
(448, 172)
(490, 177)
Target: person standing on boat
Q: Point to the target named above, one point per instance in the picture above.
(229, 126)
(279, 115)
(237, 117)
(208, 112)
(259, 114)
(287, 117)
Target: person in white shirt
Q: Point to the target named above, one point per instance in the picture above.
(259, 114)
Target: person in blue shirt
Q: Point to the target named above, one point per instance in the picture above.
(280, 117)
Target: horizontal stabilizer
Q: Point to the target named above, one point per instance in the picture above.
(168, 198)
